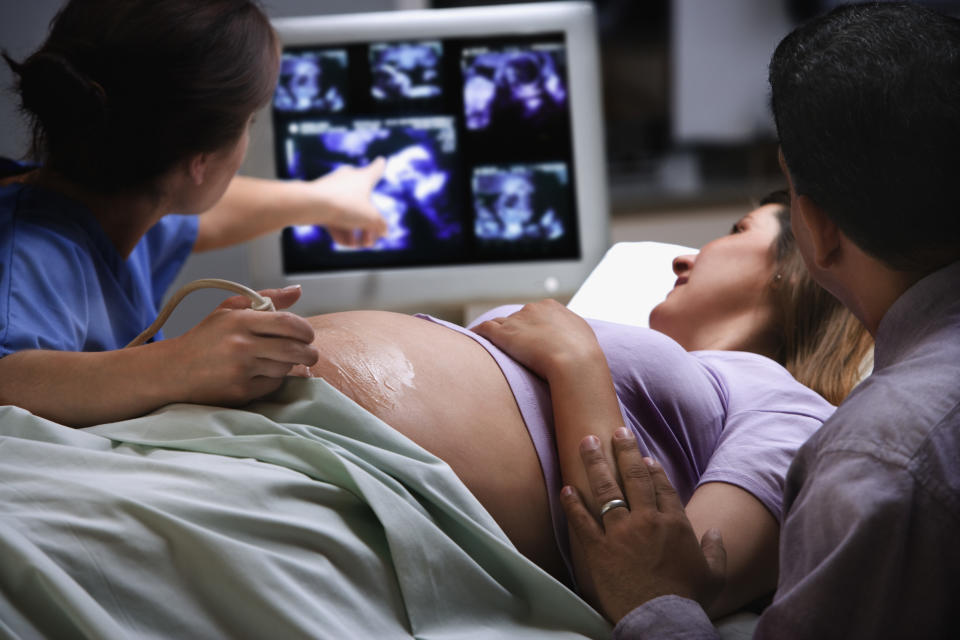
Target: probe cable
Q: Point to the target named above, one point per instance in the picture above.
(257, 302)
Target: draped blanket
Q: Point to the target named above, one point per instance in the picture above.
(299, 516)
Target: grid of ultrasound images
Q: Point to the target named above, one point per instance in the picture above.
(476, 136)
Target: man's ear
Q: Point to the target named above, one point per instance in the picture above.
(197, 168)
(825, 235)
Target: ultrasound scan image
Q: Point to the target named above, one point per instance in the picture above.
(520, 203)
(312, 81)
(513, 86)
(405, 71)
(414, 193)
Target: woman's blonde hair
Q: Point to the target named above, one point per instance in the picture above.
(822, 344)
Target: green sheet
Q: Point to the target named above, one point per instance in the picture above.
(299, 516)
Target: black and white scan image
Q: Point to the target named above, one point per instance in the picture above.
(513, 86)
(520, 202)
(405, 71)
(414, 193)
(312, 81)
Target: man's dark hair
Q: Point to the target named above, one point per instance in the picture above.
(124, 89)
(866, 100)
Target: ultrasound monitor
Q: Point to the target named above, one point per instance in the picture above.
(489, 121)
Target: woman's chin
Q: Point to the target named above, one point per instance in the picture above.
(657, 317)
(668, 319)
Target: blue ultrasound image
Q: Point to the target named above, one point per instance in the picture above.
(513, 86)
(520, 203)
(414, 194)
(312, 81)
(405, 71)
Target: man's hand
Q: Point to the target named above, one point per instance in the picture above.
(645, 551)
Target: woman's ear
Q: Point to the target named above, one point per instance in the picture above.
(197, 168)
(823, 233)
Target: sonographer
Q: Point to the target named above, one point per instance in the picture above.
(141, 110)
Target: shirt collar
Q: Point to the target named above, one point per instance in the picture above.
(921, 309)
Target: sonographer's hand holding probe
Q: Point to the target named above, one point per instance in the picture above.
(231, 357)
(237, 354)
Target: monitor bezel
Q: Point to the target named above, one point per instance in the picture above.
(410, 287)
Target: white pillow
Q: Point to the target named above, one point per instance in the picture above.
(628, 282)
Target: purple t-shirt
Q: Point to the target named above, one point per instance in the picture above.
(706, 416)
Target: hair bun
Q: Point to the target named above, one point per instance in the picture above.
(63, 98)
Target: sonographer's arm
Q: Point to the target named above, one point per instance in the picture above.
(339, 201)
(231, 357)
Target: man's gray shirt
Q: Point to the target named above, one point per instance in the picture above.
(869, 544)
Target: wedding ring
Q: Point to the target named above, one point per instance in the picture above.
(613, 504)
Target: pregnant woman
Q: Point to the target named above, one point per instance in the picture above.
(705, 392)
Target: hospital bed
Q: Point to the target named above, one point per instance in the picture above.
(301, 515)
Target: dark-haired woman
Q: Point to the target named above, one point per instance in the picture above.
(141, 109)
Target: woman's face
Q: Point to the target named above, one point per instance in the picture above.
(722, 296)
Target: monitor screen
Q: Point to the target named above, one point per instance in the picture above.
(477, 125)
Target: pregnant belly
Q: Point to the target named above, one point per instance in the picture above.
(446, 393)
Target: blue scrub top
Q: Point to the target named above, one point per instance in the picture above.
(63, 285)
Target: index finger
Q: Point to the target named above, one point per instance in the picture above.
(281, 298)
(279, 324)
(376, 169)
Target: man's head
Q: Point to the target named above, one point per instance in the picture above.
(867, 104)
